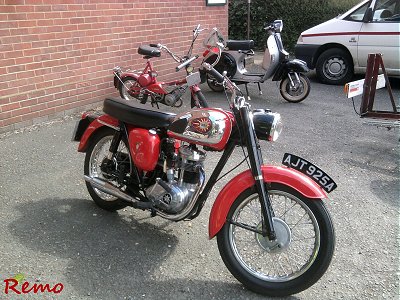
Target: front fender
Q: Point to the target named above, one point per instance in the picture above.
(103, 120)
(272, 174)
(289, 66)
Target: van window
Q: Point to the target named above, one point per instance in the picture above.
(386, 11)
(358, 14)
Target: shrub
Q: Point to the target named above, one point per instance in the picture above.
(297, 16)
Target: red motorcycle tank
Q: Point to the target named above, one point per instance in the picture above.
(203, 126)
(144, 146)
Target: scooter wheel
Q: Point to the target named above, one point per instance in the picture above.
(213, 84)
(296, 93)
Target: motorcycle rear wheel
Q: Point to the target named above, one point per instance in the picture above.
(299, 257)
(297, 93)
(95, 156)
(127, 83)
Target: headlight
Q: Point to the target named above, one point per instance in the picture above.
(267, 125)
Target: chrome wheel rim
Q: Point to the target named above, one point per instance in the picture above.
(296, 91)
(127, 85)
(299, 238)
(99, 153)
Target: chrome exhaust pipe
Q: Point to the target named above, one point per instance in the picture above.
(108, 188)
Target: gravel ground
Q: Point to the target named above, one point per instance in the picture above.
(53, 233)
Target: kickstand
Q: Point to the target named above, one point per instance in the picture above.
(259, 89)
(247, 92)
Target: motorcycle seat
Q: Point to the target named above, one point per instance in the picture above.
(149, 51)
(240, 44)
(136, 114)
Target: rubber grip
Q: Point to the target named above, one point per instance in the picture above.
(217, 75)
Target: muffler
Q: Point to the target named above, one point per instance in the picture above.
(108, 188)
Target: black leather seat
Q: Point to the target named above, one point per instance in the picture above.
(136, 114)
(240, 44)
(148, 51)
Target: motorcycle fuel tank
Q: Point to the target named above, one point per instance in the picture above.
(204, 126)
(144, 147)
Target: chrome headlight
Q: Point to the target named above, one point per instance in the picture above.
(267, 125)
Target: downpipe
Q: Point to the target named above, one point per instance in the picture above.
(112, 190)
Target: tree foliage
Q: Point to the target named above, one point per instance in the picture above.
(297, 16)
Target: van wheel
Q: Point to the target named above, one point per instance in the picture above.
(335, 66)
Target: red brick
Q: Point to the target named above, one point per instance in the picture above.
(72, 63)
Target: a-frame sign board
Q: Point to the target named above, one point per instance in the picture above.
(371, 77)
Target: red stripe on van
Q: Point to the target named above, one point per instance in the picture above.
(350, 33)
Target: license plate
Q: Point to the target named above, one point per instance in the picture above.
(193, 79)
(311, 170)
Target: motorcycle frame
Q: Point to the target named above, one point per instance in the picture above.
(259, 176)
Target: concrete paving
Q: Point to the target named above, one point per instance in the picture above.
(51, 231)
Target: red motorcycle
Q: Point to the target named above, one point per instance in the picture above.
(273, 231)
(141, 85)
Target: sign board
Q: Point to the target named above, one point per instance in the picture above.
(356, 88)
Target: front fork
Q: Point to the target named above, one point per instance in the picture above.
(293, 83)
(255, 157)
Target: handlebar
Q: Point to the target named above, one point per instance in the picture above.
(213, 72)
(165, 48)
(186, 63)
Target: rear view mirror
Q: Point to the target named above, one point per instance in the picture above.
(368, 15)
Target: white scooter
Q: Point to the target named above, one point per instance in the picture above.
(294, 84)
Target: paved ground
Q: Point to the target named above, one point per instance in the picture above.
(51, 232)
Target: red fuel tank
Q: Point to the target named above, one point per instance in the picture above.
(144, 147)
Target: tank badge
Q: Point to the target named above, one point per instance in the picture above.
(201, 125)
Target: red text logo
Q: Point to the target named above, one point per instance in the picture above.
(25, 288)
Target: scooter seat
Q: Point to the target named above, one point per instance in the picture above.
(135, 114)
(148, 51)
(240, 44)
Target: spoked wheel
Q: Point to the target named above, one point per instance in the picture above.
(130, 89)
(97, 165)
(295, 260)
(296, 92)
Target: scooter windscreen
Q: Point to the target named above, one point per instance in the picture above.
(214, 39)
(214, 44)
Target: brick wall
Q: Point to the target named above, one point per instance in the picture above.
(56, 56)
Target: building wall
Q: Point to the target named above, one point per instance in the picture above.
(56, 56)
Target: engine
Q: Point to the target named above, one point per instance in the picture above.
(185, 178)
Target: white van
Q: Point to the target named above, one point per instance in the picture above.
(339, 48)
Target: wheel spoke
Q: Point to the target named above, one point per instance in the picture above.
(269, 261)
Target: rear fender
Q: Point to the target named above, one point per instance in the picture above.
(96, 124)
(117, 81)
(272, 174)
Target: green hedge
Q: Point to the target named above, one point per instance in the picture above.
(297, 16)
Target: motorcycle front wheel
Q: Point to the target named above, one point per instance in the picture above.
(213, 84)
(293, 262)
(96, 166)
(198, 100)
(297, 92)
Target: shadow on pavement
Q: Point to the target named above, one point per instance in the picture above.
(110, 255)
